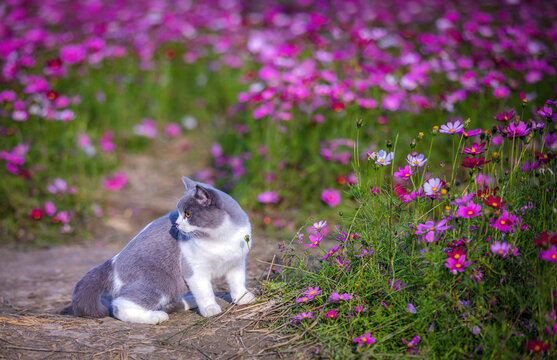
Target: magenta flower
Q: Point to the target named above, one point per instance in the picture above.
(505, 222)
(451, 127)
(364, 253)
(73, 54)
(519, 130)
(331, 197)
(457, 265)
(469, 210)
(471, 133)
(416, 160)
(364, 340)
(304, 315)
(331, 314)
(49, 208)
(173, 130)
(335, 297)
(304, 299)
(268, 197)
(404, 173)
(411, 309)
(501, 248)
(147, 128)
(505, 116)
(115, 182)
(549, 255)
(430, 227)
(474, 149)
(472, 163)
(412, 344)
(331, 252)
(546, 112)
(312, 291)
(315, 240)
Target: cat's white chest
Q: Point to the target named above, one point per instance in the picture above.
(214, 256)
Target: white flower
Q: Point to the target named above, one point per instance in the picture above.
(432, 186)
(383, 158)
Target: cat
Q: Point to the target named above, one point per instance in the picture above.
(208, 236)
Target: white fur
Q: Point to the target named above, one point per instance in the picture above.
(129, 311)
(223, 254)
(116, 283)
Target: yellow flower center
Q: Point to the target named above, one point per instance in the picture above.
(553, 256)
(494, 204)
(456, 256)
(452, 130)
(470, 212)
(382, 160)
(458, 266)
(537, 348)
(434, 188)
(500, 252)
(503, 222)
(312, 292)
(473, 150)
(406, 175)
(416, 162)
(431, 228)
(364, 339)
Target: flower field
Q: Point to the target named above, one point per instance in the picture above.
(422, 133)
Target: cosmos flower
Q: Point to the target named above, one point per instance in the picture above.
(505, 116)
(433, 186)
(537, 346)
(404, 173)
(549, 255)
(501, 248)
(519, 130)
(384, 158)
(115, 182)
(416, 160)
(364, 340)
(474, 149)
(457, 265)
(335, 297)
(472, 163)
(451, 127)
(469, 210)
(331, 197)
(412, 344)
(312, 291)
(268, 197)
(319, 225)
(304, 315)
(314, 239)
(494, 202)
(544, 241)
(331, 314)
(36, 214)
(505, 222)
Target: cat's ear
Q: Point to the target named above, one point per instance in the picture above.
(207, 197)
(188, 183)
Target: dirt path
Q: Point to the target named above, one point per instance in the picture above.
(35, 286)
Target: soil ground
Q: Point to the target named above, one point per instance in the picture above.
(36, 285)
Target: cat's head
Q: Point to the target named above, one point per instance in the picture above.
(200, 209)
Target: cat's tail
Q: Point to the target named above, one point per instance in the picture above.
(86, 297)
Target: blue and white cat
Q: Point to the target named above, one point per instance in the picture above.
(205, 238)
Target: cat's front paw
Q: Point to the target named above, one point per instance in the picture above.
(244, 299)
(210, 310)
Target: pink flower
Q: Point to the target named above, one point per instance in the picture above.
(331, 314)
(115, 182)
(312, 291)
(457, 265)
(451, 127)
(335, 297)
(331, 197)
(519, 130)
(501, 248)
(304, 315)
(314, 239)
(505, 222)
(549, 255)
(268, 197)
(474, 149)
(330, 252)
(62, 217)
(412, 344)
(173, 130)
(364, 340)
(304, 299)
(147, 128)
(73, 54)
(319, 225)
(404, 173)
(468, 211)
(49, 208)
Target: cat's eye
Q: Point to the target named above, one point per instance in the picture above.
(187, 215)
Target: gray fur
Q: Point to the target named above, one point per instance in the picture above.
(150, 270)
